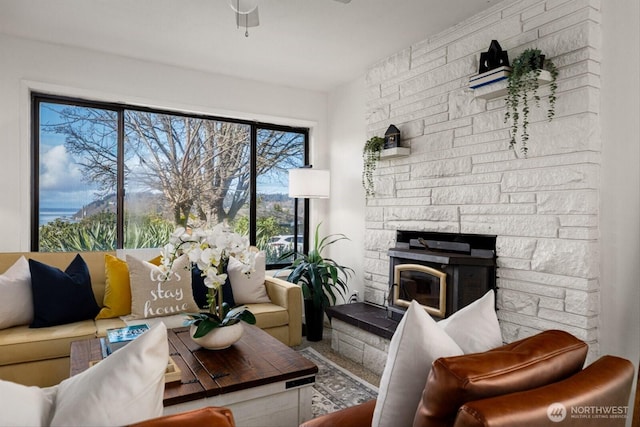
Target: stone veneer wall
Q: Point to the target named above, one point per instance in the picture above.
(461, 176)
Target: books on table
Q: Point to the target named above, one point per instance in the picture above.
(119, 337)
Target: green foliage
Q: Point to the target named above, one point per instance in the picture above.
(149, 231)
(522, 83)
(371, 156)
(207, 322)
(267, 227)
(321, 279)
(98, 233)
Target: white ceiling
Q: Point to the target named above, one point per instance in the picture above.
(311, 44)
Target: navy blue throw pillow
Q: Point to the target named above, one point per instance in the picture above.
(200, 290)
(61, 297)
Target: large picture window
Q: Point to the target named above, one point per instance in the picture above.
(111, 176)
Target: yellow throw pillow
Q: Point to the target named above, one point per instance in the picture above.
(117, 291)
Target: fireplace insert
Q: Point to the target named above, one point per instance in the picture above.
(443, 272)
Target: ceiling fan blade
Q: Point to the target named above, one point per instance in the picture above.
(344, 1)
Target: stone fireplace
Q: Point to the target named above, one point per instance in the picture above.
(461, 177)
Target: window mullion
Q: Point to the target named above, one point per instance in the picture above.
(253, 202)
(120, 187)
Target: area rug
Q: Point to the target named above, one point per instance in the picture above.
(335, 387)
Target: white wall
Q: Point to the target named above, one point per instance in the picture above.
(68, 71)
(620, 191)
(346, 136)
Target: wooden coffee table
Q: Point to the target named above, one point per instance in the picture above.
(264, 382)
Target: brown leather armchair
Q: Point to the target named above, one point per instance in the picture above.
(209, 416)
(525, 383)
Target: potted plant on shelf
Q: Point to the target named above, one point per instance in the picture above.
(321, 279)
(521, 84)
(370, 156)
(209, 250)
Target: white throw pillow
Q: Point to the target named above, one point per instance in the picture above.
(125, 388)
(416, 344)
(24, 406)
(475, 328)
(153, 297)
(248, 288)
(16, 304)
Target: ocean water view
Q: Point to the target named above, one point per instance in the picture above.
(49, 214)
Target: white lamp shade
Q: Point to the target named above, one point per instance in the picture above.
(309, 183)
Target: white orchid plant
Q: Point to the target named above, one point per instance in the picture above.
(209, 250)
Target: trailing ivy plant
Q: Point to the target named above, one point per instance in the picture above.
(371, 156)
(521, 84)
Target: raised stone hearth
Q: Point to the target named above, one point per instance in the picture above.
(461, 177)
(362, 332)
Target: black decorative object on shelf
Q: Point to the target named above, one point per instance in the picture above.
(494, 58)
(392, 137)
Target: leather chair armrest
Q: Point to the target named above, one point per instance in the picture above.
(605, 385)
(208, 416)
(354, 416)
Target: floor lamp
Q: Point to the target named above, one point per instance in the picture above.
(307, 183)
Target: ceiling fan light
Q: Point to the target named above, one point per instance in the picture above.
(248, 20)
(243, 7)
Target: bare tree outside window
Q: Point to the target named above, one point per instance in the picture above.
(176, 169)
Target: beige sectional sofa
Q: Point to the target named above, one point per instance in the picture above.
(41, 356)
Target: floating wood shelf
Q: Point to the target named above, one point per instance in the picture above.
(499, 89)
(392, 153)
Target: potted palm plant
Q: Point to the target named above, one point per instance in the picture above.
(321, 279)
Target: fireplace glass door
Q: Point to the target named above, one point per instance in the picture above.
(426, 285)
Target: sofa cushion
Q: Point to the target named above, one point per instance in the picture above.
(16, 304)
(522, 365)
(61, 297)
(151, 296)
(248, 287)
(23, 344)
(416, 343)
(269, 315)
(114, 323)
(475, 328)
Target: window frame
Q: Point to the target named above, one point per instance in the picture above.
(37, 98)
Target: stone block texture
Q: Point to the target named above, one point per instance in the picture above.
(461, 175)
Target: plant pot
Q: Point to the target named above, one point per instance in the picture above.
(219, 338)
(314, 319)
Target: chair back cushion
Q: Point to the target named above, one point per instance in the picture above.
(542, 359)
(605, 385)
